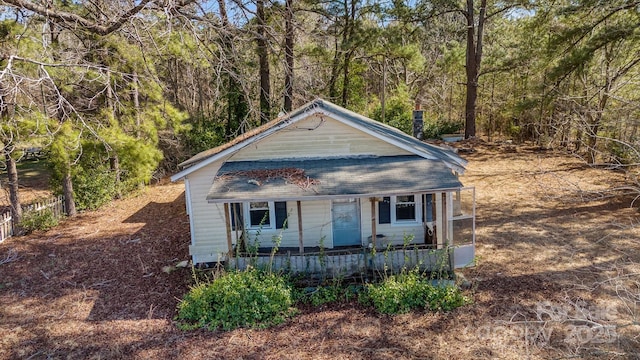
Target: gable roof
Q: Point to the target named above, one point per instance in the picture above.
(374, 128)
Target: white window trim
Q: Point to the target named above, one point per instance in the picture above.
(418, 206)
(272, 216)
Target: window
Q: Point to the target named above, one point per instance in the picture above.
(260, 214)
(406, 209)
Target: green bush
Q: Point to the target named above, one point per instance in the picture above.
(38, 220)
(328, 294)
(250, 298)
(435, 129)
(94, 187)
(408, 291)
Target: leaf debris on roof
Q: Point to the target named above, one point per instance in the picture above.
(290, 175)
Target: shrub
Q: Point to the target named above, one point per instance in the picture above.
(94, 187)
(250, 298)
(433, 130)
(38, 220)
(327, 294)
(408, 291)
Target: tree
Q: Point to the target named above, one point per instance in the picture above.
(263, 55)
(597, 43)
(475, 34)
(288, 48)
(476, 17)
(22, 99)
(72, 76)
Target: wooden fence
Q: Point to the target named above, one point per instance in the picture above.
(55, 205)
(6, 226)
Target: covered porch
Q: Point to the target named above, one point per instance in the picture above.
(343, 216)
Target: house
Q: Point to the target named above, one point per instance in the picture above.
(325, 180)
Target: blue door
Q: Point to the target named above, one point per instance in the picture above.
(346, 222)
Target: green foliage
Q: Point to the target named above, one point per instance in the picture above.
(204, 135)
(333, 292)
(620, 152)
(138, 160)
(398, 110)
(408, 291)
(94, 186)
(38, 220)
(325, 295)
(250, 298)
(585, 33)
(435, 129)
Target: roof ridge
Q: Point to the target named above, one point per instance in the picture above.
(349, 117)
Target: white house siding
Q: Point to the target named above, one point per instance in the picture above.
(316, 136)
(317, 229)
(394, 233)
(288, 237)
(316, 224)
(208, 225)
(316, 221)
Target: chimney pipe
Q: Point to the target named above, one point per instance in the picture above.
(418, 121)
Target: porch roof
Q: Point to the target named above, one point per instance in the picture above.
(329, 178)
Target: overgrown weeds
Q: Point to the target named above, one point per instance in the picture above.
(38, 220)
(411, 290)
(249, 298)
(262, 297)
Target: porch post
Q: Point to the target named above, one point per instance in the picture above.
(373, 222)
(227, 223)
(449, 218)
(300, 232)
(439, 221)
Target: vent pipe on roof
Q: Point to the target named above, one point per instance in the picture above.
(418, 121)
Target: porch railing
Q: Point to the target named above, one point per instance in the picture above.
(337, 263)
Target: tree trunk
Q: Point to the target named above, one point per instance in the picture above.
(473, 60)
(472, 75)
(345, 80)
(288, 54)
(136, 102)
(349, 26)
(67, 191)
(263, 60)
(592, 140)
(14, 196)
(114, 163)
(383, 94)
(335, 70)
(237, 103)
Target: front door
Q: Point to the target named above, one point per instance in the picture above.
(346, 222)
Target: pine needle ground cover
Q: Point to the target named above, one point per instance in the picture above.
(553, 244)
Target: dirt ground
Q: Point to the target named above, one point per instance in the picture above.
(557, 276)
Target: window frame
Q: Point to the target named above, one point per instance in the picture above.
(272, 216)
(393, 201)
